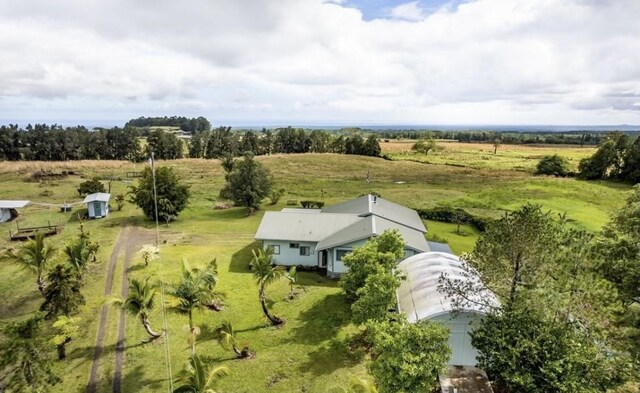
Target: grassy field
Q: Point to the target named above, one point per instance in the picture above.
(481, 155)
(311, 352)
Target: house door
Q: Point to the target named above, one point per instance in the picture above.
(97, 209)
(322, 256)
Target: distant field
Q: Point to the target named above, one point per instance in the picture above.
(311, 353)
(481, 156)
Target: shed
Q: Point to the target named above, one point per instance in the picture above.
(8, 209)
(420, 298)
(97, 204)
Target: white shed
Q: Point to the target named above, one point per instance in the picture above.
(420, 299)
(97, 204)
(8, 209)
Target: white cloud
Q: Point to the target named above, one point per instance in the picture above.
(487, 61)
(408, 11)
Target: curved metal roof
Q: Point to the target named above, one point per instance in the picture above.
(419, 296)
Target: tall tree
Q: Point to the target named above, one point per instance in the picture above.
(265, 273)
(62, 295)
(140, 302)
(173, 195)
(248, 183)
(33, 255)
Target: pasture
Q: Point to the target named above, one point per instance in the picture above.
(312, 352)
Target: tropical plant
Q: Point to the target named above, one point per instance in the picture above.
(194, 291)
(62, 294)
(265, 273)
(80, 251)
(25, 360)
(33, 255)
(67, 329)
(292, 277)
(195, 378)
(226, 337)
(149, 252)
(139, 302)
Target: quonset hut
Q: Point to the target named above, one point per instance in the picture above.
(420, 298)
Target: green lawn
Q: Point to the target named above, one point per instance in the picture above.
(311, 352)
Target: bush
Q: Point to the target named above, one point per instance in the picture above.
(553, 165)
(454, 216)
(91, 187)
(276, 195)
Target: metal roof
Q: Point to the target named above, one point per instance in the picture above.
(300, 210)
(369, 226)
(372, 205)
(439, 247)
(419, 296)
(99, 196)
(297, 226)
(8, 204)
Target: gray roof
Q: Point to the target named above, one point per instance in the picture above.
(8, 204)
(372, 205)
(439, 247)
(299, 226)
(300, 210)
(369, 226)
(99, 196)
(419, 296)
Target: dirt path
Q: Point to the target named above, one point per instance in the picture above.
(130, 240)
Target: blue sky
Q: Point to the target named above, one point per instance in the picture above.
(376, 9)
(255, 62)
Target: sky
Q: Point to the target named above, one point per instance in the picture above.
(321, 62)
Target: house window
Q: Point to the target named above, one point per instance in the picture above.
(275, 249)
(305, 250)
(341, 253)
(294, 245)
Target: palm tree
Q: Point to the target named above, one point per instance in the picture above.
(265, 273)
(34, 255)
(195, 378)
(226, 337)
(292, 277)
(139, 303)
(193, 292)
(81, 251)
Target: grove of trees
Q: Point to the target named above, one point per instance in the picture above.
(617, 157)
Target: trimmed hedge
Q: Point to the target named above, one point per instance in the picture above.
(312, 204)
(453, 215)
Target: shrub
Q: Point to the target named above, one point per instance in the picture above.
(454, 216)
(553, 165)
(312, 204)
(91, 187)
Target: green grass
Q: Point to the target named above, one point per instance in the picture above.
(310, 352)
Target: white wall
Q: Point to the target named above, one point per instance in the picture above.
(5, 215)
(336, 267)
(91, 211)
(462, 352)
(291, 256)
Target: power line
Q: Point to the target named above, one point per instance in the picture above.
(167, 350)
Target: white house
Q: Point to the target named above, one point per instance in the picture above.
(8, 209)
(420, 298)
(322, 237)
(97, 204)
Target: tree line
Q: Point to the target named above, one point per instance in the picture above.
(582, 138)
(44, 142)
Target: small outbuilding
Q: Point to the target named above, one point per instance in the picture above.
(97, 204)
(420, 298)
(8, 209)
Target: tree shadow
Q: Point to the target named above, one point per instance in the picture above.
(315, 279)
(135, 378)
(240, 259)
(329, 357)
(323, 320)
(136, 267)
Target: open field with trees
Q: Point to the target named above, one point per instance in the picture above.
(316, 349)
